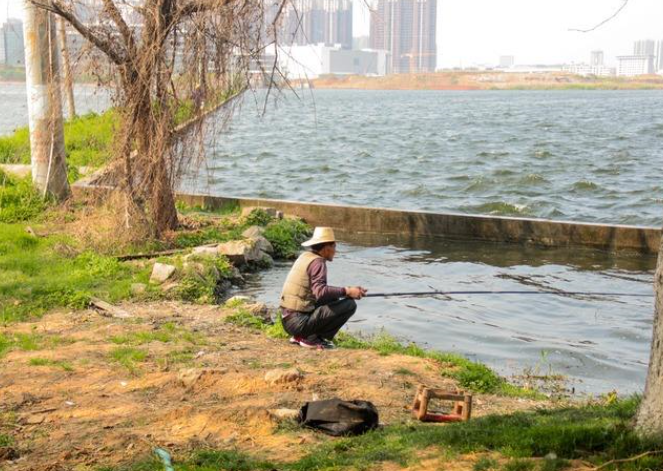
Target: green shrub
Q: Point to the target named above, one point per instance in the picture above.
(257, 217)
(286, 235)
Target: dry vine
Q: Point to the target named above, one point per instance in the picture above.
(172, 63)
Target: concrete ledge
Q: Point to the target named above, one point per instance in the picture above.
(542, 232)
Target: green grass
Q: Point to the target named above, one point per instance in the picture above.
(167, 333)
(38, 274)
(30, 342)
(519, 465)
(66, 366)
(19, 201)
(128, 357)
(485, 464)
(88, 141)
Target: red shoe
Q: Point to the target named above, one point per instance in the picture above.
(313, 344)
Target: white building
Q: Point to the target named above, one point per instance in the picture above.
(630, 66)
(506, 62)
(312, 61)
(588, 69)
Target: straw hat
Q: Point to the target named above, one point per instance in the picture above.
(320, 236)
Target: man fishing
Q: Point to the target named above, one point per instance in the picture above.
(312, 311)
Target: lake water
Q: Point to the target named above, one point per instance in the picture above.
(575, 155)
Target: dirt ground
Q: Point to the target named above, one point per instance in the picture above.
(67, 404)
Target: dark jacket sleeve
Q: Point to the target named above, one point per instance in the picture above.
(317, 274)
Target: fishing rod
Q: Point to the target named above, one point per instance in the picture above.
(490, 292)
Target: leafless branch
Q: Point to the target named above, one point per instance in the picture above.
(604, 21)
(106, 46)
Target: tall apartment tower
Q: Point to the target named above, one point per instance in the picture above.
(644, 47)
(327, 22)
(406, 29)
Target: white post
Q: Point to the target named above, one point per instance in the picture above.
(49, 171)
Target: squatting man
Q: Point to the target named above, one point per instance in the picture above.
(312, 311)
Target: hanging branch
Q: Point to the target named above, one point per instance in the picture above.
(614, 15)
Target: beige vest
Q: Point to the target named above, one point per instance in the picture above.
(297, 294)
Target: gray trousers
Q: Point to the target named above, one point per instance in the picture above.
(324, 322)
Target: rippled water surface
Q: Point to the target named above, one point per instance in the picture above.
(599, 343)
(578, 155)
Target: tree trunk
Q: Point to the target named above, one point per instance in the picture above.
(49, 170)
(66, 67)
(649, 421)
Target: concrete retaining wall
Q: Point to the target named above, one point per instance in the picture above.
(454, 226)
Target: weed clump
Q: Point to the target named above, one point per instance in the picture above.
(19, 201)
(286, 235)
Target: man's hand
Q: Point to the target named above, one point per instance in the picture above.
(355, 292)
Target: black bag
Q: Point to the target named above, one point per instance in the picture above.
(337, 417)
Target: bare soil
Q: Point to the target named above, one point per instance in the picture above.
(203, 388)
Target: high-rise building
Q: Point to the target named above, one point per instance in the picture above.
(644, 47)
(327, 22)
(596, 58)
(406, 29)
(12, 33)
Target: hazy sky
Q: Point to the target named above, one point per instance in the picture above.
(534, 31)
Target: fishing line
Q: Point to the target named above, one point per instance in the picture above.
(490, 292)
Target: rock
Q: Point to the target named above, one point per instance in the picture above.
(281, 376)
(266, 260)
(138, 288)
(284, 414)
(161, 272)
(205, 250)
(257, 309)
(253, 232)
(240, 252)
(263, 244)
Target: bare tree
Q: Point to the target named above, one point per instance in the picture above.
(172, 61)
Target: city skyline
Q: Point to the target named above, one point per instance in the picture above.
(475, 32)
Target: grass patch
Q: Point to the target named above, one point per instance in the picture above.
(39, 274)
(88, 141)
(30, 342)
(66, 366)
(244, 318)
(128, 357)
(19, 201)
(6, 440)
(167, 333)
(519, 465)
(485, 464)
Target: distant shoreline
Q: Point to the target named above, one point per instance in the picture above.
(466, 81)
